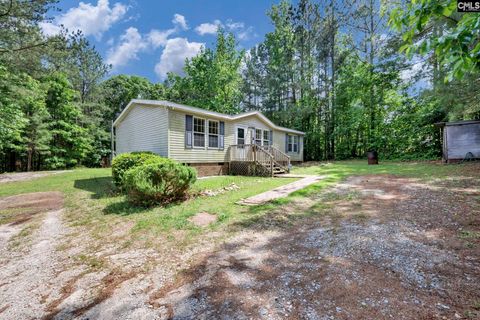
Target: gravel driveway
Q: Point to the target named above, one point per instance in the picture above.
(373, 247)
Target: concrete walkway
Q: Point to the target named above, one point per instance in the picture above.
(280, 192)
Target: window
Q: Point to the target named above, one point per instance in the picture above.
(292, 143)
(266, 137)
(258, 137)
(212, 134)
(198, 132)
(240, 136)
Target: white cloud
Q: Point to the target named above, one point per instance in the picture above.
(180, 21)
(158, 38)
(174, 55)
(208, 28)
(241, 31)
(233, 26)
(49, 29)
(246, 34)
(131, 44)
(90, 19)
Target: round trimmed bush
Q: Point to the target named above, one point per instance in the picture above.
(158, 181)
(126, 161)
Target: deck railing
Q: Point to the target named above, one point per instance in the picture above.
(252, 153)
(282, 159)
(266, 156)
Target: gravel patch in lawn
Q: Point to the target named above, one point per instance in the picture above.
(379, 247)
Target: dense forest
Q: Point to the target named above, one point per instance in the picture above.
(355, 75)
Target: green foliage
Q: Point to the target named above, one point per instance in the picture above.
(70, 142)
(122, 163)
(36, 134)
(12, 119)
(158, 181)
(453, 40)
(117, 92)
(212, 79)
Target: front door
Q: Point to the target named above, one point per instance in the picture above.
(251, 135)
(240, 141)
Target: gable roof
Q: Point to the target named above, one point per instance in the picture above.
(194, 110)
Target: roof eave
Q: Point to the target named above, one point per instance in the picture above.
(195, 110)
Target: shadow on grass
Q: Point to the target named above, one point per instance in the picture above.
(124, 208)
(99, 187)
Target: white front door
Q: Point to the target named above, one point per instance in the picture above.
(251, 134)
(240, 141)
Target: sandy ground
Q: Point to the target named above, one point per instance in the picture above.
(24, 176)
(385, 248)
(373, 247)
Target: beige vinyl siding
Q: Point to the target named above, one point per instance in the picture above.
(144, 128)
(249, 122)
(279, 142)
(177, 150)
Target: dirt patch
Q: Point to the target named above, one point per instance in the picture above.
(203, 219)
(107, 287)
(24, 176)
(21, 208)
(372, 247)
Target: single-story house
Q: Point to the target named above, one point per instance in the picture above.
(214, 143)
(461, 140)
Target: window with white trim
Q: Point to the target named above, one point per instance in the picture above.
(198, 132)
(258, 137)
(213, 134)
(292, 143)
(266, 137)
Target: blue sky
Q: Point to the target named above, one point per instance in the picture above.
(150, 38)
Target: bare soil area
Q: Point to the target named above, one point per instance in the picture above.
(24, 176)
(372, 247)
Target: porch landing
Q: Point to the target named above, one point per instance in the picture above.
(280, 192)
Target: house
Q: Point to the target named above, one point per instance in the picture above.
(215, 143)
(461, 140)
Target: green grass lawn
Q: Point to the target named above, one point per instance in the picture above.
(339, 170)
(91, 202)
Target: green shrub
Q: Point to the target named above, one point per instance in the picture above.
(126, 161)
(158, 181)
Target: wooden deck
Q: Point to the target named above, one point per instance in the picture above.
(255, 160)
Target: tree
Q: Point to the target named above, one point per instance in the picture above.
(87, 67)
(21, 42)
(70, 143)
(457, 46)
(35, 134)
(212, 78)
(117, 92)
(12, 119)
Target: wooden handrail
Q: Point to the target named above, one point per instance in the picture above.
(281, 158)
(267, 156)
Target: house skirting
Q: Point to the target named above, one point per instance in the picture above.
(210, 169)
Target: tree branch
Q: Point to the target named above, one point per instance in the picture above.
(31, 46)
